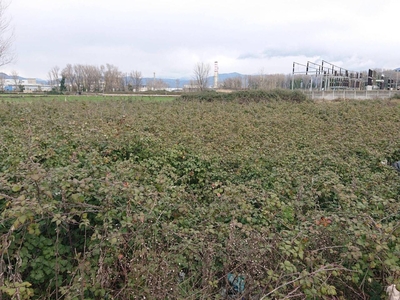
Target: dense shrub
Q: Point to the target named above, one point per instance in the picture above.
(132, 200)
(248, 96)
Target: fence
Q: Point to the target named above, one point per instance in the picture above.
(351, 94)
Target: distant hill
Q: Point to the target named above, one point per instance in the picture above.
(172, 83)
(222, 77)
(5, 76)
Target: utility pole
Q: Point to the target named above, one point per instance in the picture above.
(293, 75)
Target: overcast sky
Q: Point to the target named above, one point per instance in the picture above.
(170, 37)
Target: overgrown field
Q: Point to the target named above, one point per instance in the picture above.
(123, 199)
(86, 97)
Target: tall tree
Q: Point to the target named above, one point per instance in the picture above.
(136, 79)
(50, 77)
(69, 75)
(92, 78)
(63, 88)
(15, 77)
(159, 84)
(79, 77)
(54, 79)
(2, 82)
(7, 53)
(233, 83)
(112, 78)
(201, 73)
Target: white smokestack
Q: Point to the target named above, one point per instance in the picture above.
(216, 75)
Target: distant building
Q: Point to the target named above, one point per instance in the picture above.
(29, 85)
(191, 87)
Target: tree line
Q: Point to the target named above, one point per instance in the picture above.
(201, 76)
(108, 78)
(257, 82)
(104, 78)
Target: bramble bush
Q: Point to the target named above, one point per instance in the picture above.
(248, 96)
(162, 200)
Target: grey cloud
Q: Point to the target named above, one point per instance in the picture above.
(281, 53)
(169, 38)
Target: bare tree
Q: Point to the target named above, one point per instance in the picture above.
(7, 53)
(87, 81)
(136, 79)
(2, 82)
(246, 83)
(96, 74)
(192, 86)
(233, 83)
(54, 79)
(267, 82)
(15, 77)
(201, 74)
(112, 78)
(69, 75)
(79, 71)
(50, 77)
(126, 80)
(276, 81)
(262, 80)
(159, 84)
(252, 82)
(92, 76)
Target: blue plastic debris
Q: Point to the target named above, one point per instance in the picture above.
(237, 282)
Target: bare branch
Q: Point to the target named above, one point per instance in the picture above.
(136, 79)
(326, 268)
(7, 52)
(201, 74)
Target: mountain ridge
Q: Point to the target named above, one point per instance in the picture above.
(172, 83)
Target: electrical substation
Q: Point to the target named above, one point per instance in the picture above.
(326, 76)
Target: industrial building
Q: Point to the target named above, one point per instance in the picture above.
(26, 85)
